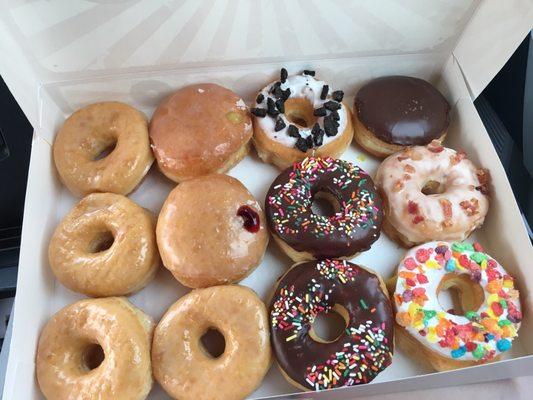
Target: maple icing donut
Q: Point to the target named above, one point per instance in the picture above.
(81, 144)
(96, 349)
(489, 300)
(431, 193)
(198, 130)
(218, 240)
(300, 116)
(186, 369)
(393, 112)
(305, 235)
(105, 246)
(362, 350)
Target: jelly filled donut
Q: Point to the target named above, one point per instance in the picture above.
(105, 246)
(200, 129)
(490, 315)
(184, 366)
(96, 349)
(103, 147)
(299, 116)
(393, 112)
(431, 193)
(305, 235)
(362, 350)
(211, 231)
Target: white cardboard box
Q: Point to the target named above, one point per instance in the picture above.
(59, 55)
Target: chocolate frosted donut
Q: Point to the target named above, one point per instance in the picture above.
(305, 235)
(362, 350)
(397, 111)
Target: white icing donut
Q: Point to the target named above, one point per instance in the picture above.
(457, 208)
(479, 335)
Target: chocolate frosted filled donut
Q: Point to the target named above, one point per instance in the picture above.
(359, 353)
(397, 111)
(303, 234)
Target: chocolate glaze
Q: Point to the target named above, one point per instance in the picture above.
(350, 231)
(402, 110)
(346, 284)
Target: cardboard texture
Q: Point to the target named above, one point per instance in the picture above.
(65, 57)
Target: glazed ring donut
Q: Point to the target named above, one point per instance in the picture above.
(70, 363)
(198, 130)
(393, 112)
(305, 235)
(184, 367)
(105, 246)
(299, 116)
(447, 339)
(432, 193)
(211, 231)
(91, 132)
(362, 350)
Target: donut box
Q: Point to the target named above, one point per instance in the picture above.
(64, 57)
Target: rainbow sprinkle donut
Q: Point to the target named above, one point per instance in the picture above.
(489, 300)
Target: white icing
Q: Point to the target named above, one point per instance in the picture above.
(459, 181)
(434, 276)
(302, 86)
(201, 90)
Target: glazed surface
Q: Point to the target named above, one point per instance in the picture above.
(198, 129)
(90, 131)
(353, 228)
(124, 334)
(105, 219)
(211, 231)
(450, 215)
(480, 334)
(362, 350)
(402, 110)
(180, 362)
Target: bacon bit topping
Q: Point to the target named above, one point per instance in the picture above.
(470, 207)
(412, 207)
(457, 157)
(435, 147)
(446, 208)
(409, 168)
(483, 177)
(406, 177)
(417, 219)
(402, 158)
(398, 186)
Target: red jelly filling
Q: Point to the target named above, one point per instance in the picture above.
(250, 218)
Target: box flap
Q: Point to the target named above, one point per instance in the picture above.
(63, 41)
(490, 38)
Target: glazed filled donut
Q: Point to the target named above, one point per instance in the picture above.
(211, 231)
(186, 369)
(432, 193)
(299, 116)
(362, 350)
(96, 349)
(490, 315)
(103, 147)
(302, 234)
(393, 112)
(200, 129)
(105, 246)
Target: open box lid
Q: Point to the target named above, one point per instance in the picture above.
(44, 41)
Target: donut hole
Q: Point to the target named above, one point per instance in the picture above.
(105, 149)
(433, 187)
(329, 326)
(102, 242)
(300, 112)
(213, 343)
(458, 294)
(325, 204)
(93, 356)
